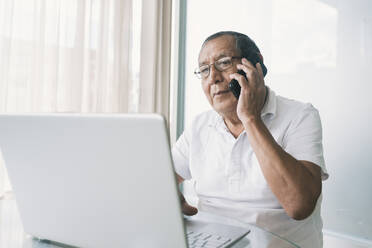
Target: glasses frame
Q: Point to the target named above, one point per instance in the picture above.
(197, 71)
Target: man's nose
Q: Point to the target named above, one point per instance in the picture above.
(215, 75)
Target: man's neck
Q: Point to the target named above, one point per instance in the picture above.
(233, 123)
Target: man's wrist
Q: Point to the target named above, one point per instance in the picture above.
(251, 121)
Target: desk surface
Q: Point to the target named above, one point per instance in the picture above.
(12, 234)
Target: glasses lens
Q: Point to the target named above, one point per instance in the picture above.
(204, 71)
(224, 63)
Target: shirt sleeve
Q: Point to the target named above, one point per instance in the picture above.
(303, 139)
(180, 154)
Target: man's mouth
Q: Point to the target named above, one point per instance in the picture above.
(221, 92)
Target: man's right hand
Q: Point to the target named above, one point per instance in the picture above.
(186, 208)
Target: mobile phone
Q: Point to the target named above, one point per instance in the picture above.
(234, 84)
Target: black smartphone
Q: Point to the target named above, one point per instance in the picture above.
(234, 85)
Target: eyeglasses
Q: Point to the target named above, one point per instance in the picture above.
(222, 64)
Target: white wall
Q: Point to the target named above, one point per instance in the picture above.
(319, 52)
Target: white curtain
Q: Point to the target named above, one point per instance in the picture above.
(84, 56)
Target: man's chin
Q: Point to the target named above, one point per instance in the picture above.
(224, 107)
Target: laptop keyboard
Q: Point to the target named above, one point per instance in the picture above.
(207, 240)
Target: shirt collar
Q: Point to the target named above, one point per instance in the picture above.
(270, 105)
(268, 109)
(217, 122)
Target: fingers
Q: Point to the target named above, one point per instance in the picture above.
(247, 67)
(250, 76)
(259, 69)
(188, 210)
(248, 64)
(240, 78)
(254, 73)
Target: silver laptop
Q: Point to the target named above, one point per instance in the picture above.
(100, 180)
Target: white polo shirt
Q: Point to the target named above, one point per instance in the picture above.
(227, 176)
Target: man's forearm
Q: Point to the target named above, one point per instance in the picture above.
(296, 184)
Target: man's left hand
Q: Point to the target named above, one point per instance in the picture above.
(253, 91)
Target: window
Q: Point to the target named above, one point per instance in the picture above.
(315, 51)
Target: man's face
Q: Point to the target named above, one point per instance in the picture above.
(215, 86)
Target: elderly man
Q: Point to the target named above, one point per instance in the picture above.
(256, 157)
